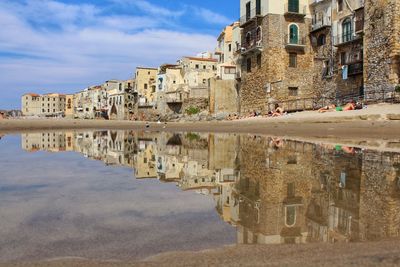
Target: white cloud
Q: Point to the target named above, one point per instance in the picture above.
(210, 16)
(50, 45)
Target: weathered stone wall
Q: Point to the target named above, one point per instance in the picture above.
(223, 96)
(381, 44)
(200, 103)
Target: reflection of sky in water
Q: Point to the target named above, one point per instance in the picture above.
(61, 204)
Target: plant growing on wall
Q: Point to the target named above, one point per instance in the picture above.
(397, 88)
(192, 110)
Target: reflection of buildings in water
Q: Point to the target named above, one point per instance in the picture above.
(50, 141)
(145, 160)
(273, 191)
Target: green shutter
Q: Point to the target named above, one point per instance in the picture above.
(293, 34)
(294, 6)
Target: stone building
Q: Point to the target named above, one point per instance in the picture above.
(145, 85)
(334, 49)
(121, 98)
(196, 72)
(31, 104)
(47, 105)
(69, 106)
(171, 89)
(277, 60)
(381, 45)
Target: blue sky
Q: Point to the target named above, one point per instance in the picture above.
(67, 45)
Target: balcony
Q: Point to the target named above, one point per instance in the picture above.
(250, 16)
(252, 42)
(320, 24)
(355, 69)
(295, 10)
(345, 38)
(296, 43)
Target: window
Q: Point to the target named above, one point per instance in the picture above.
(326, 70)
(204, 81)
(321, 40)
(291, 191)
(340, 5)
(293, 6)
(248, 11)
(293, 91)
(197, 66)
(293, 34)
(230, 47)
(259, 60)
(258, 7)
(230, 70)
(145, 86)
(248, 39)
(347, 30)
(204, 67)
(292, 60)
(248, 64)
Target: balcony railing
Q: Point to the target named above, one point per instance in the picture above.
(295, 41)
(250, 16)
(291, 9)
(355, 68)
(318, 24)
(252, 41)
(345, 38)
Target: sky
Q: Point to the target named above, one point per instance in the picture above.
(67, 45)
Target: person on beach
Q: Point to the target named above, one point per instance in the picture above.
(327, 108)
(278, 111)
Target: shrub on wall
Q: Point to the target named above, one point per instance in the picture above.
(397, 88)
(192, 110)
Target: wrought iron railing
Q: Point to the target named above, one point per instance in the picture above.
(295, 9)
(250, 15)
(345, 38)
(291, 40)
(252, 39)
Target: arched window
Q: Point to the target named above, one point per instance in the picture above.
(321, 40)
(293, 34)
(347, 30)
(258, 34)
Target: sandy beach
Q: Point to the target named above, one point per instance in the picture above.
(383, 253)
(378, 121)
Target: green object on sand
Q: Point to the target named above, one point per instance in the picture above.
(338, 148)
(339, 109)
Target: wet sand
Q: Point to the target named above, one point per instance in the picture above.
(383, 253)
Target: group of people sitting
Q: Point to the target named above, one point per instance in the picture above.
(352, 105)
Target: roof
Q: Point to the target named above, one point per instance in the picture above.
(146, 68)
(32, 94)
(202, 59)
